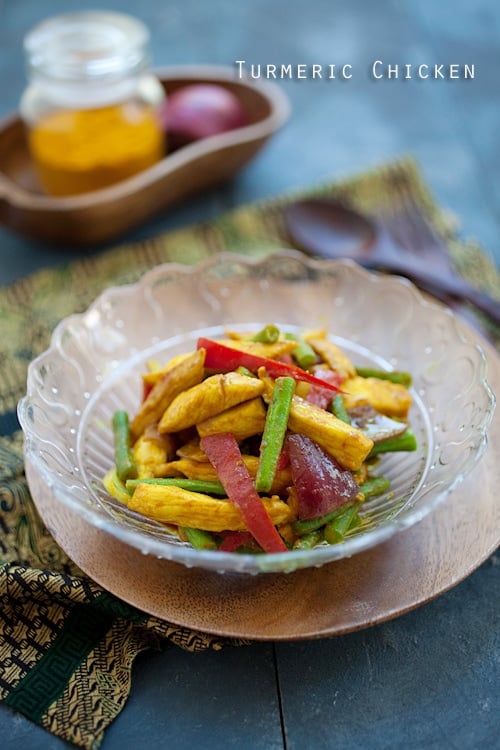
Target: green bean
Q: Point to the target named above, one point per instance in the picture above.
(194, 485)
(395, 376)
(375, 486)
(309, 540)
(245, 371)
(404, 442)
(124, 461)
(312, 524)
(274, 432)
(336, 530)
(199, 538)
(304, 355)
(115, 487)
(356, 521)
(268, 335)
(338, 409)
(246, 549)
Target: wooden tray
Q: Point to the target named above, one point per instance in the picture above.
(412, 568)
(104, 214)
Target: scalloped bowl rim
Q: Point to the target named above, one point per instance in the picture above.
(223, 562)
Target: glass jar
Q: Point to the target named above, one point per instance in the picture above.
(91, 104)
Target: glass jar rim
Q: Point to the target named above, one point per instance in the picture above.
(86, 46)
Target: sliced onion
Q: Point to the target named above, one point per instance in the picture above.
(321, 484)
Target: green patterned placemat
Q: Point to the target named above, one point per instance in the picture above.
(66, 646)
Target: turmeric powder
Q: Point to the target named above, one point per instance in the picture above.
(76, 151)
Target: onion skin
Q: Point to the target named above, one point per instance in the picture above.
(199, 111)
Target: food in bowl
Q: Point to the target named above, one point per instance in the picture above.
(94, 364)
(260, 442)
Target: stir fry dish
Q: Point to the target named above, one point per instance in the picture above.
(260, 442)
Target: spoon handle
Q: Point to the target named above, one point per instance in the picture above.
(445, 287)
(485, 303)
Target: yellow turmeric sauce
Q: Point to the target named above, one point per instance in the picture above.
(77, 151)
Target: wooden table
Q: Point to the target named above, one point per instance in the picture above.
(429, 679)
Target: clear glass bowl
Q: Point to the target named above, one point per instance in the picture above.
(95, 359)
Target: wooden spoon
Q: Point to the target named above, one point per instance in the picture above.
(331, 230)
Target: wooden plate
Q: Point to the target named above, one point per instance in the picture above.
(103, 214)
(412, 568)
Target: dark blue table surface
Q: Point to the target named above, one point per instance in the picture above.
(431, 678)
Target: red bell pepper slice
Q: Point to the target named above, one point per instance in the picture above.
(221, 357)
(322, 396)
(234, 539)
(224, 454)
(146, 390)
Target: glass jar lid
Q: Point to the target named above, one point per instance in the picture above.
(87, 46)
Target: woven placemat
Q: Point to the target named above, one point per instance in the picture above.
(66, 645)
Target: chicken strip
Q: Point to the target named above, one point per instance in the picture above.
(342, 441)
(214, 395)
(243, 420)
(174, 505)
(182, 374)
(391, 399)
